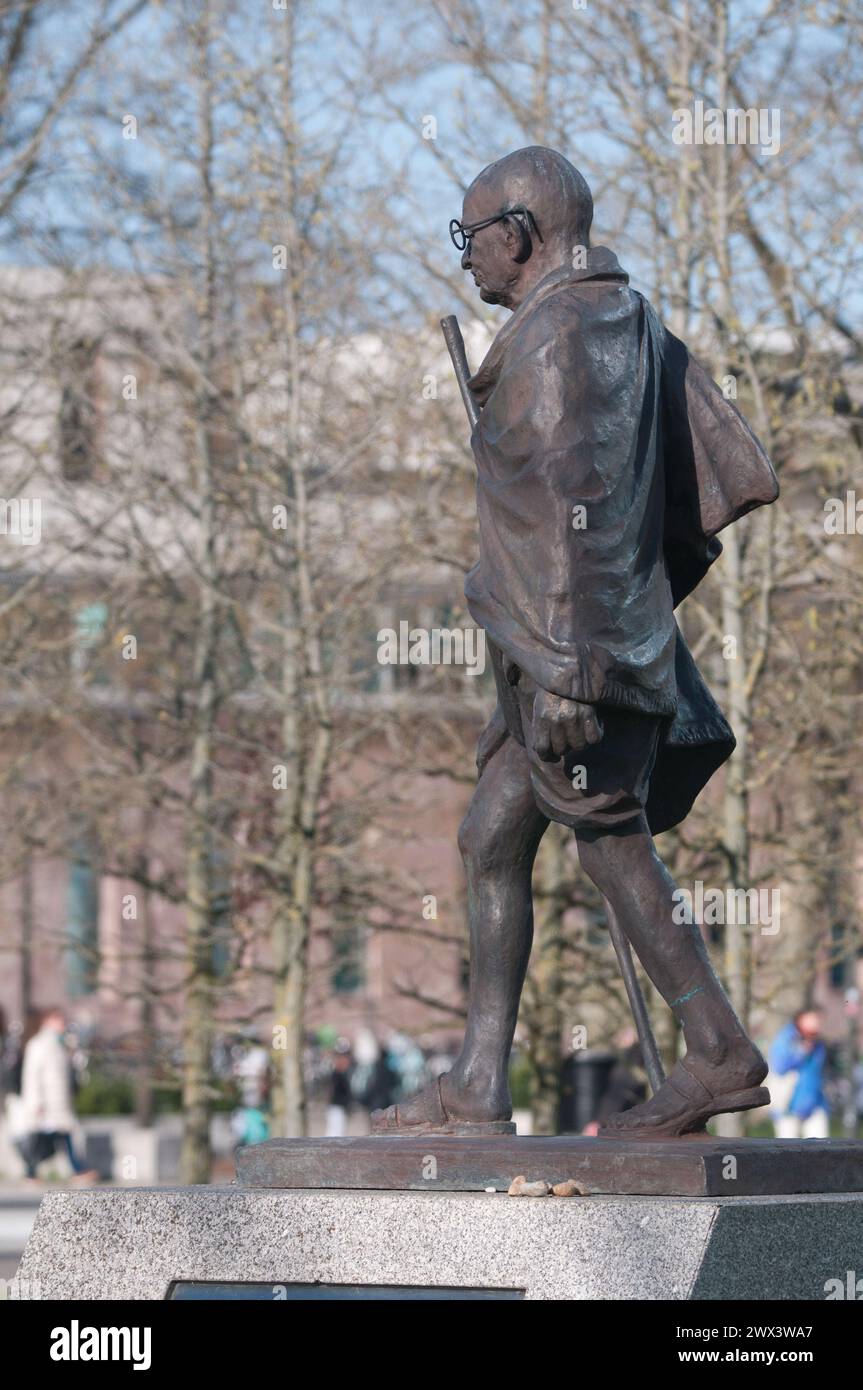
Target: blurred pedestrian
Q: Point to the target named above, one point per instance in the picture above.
(382, 1085)
(407, 1060)
(13, 1065)
(250, 1122)
(799, 1107)
(46, 1099)
(619, 1086)
(626, 1085)
(341, 1095)
(366, 1053)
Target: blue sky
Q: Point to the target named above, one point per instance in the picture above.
(62, 214)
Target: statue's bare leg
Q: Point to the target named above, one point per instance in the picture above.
(498, 840)
(722, 1069)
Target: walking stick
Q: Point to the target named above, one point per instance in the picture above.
(455, 343)
(650, 1052)
(623, 950)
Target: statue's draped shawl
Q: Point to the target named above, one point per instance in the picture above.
(607, 460)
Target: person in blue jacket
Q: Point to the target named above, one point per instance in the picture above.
(797, 1059)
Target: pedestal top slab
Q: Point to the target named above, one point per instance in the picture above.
(692, 1167)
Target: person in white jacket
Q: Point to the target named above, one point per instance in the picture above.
(46, 1098)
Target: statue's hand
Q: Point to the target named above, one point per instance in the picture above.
(561, 725)
(492, 737)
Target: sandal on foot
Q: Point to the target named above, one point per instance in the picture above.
(701, 1105)
(436, 1120)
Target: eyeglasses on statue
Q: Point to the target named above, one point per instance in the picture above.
(462, 235)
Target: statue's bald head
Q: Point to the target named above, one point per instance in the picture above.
(546, 183)
(504, 254)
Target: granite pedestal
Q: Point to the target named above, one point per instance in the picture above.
(137, 1243)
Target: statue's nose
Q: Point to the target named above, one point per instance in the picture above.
(465, 258)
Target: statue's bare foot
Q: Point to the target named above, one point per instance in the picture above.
(444, 1108)
(691, 1095)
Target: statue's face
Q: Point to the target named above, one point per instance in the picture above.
(489, 252)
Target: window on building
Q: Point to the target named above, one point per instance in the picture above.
(222, 915)
(82, 918)
(79, 422)
(347, 971)
(88, 638)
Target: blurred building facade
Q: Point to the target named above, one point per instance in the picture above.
(388, 950)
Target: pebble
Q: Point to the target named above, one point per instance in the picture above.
(520, 1187)
(570, 1188)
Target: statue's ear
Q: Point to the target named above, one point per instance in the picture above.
(520, 238)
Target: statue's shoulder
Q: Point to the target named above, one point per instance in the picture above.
(561, 312)
(566, 323)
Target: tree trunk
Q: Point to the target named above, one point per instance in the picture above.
(198, 1025)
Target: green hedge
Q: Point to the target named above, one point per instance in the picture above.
(105, 1094)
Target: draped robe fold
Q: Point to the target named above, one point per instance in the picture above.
(607, 461)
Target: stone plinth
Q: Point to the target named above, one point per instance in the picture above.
(136, 1242)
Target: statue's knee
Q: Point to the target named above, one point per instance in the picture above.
(480, 849)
